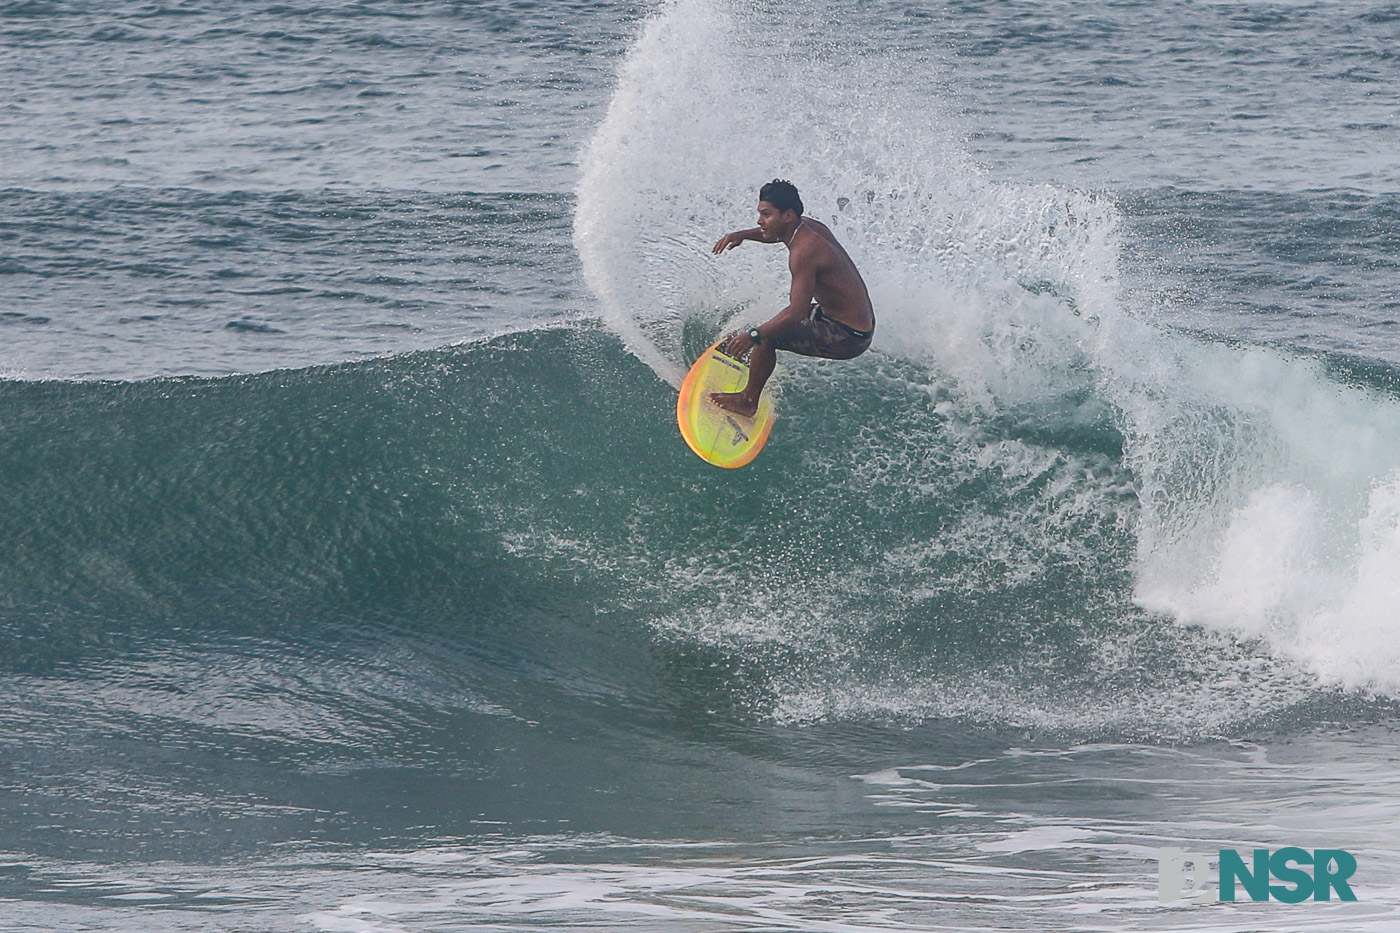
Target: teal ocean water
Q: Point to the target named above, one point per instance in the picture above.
(354, 577)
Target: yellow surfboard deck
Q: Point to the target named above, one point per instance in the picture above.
(718, 436)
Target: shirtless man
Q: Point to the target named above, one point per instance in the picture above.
(828, 313)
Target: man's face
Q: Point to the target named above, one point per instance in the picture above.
(772, 221)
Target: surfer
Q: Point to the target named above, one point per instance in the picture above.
(828, 315)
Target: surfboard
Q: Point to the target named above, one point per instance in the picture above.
(718, 436)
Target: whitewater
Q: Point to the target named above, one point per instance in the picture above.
(353, 575)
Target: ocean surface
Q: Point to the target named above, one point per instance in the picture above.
(354, 577)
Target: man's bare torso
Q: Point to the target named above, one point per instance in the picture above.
(839, 288)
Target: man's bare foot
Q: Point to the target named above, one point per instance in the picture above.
(736, 402)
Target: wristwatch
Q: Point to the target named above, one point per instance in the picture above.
(755, 336)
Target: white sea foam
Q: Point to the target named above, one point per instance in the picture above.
(1044, 838)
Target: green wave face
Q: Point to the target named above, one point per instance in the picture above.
(896, 552)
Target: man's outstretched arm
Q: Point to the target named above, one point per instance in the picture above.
(731, 240)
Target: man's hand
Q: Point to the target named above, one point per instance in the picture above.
(730, 240)
(738, 345)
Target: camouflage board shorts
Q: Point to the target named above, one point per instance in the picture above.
(819, 335)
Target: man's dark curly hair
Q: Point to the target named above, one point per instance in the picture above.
(782, 195)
